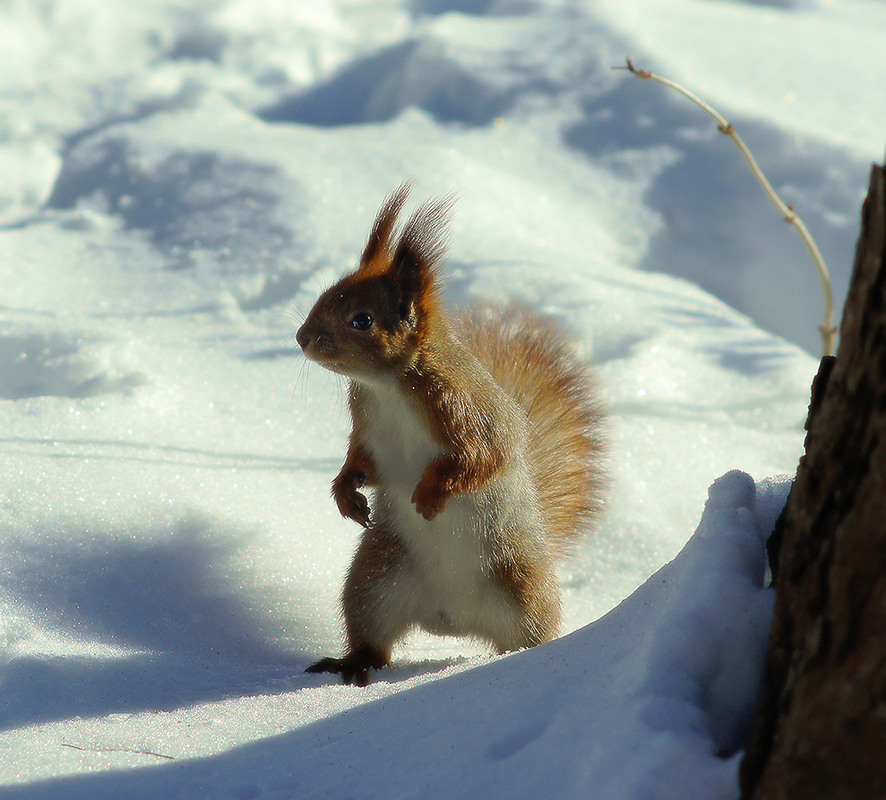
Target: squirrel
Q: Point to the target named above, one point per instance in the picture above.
(482, 439)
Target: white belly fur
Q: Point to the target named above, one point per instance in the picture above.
(449, 588)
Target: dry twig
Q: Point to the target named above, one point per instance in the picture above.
(827, 329)
(115, 750)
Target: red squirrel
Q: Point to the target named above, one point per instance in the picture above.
(481, 437)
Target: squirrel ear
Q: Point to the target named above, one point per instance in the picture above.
(410, 282)
(379, 240)
(421, 247)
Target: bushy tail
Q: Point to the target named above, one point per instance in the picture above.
(532, 361)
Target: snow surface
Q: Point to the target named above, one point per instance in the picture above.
(181, 179)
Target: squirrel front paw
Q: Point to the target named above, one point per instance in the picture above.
(429, 499)
(351, 503)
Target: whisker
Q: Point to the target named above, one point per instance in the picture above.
(299, 385)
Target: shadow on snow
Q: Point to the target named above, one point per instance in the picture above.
(168, 596)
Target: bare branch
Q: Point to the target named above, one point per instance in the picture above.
(828, 330)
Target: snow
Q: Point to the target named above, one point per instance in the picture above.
(180, 181)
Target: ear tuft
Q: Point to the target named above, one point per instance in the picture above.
(379, 243)
(420, 249)
(423, 240)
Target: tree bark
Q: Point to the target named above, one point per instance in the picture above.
(821, 730)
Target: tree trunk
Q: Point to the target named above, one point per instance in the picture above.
(821, 731)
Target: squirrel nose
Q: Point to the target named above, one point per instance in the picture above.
(303, 337)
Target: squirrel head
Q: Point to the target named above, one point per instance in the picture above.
(376, 319)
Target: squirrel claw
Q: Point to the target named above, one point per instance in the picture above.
(360, 514)
(353, 505)
(326, 665)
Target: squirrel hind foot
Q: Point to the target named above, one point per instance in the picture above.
(355, 668)
(351, 675)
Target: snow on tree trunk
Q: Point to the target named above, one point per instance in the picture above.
(821, 731)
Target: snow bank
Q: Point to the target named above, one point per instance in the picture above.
(651, 701)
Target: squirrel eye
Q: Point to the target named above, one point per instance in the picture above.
(361, 321)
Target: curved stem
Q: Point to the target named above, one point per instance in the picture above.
(827, 329)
